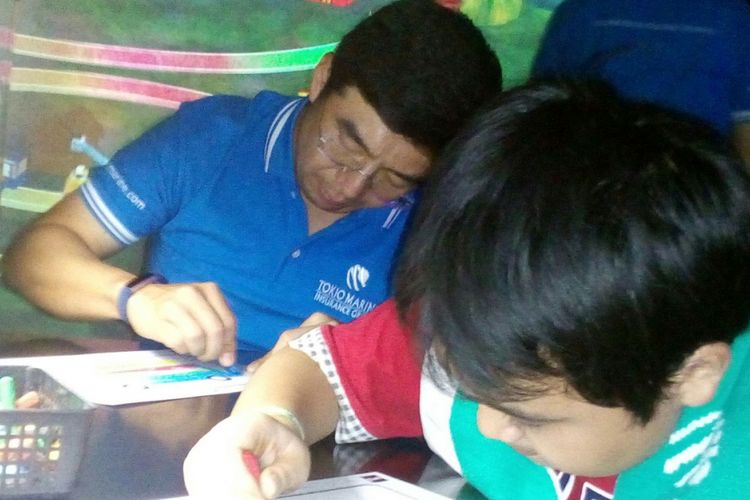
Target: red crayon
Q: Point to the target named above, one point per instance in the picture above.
(252, 463)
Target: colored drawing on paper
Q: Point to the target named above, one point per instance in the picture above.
(159, 370)
(117, 378)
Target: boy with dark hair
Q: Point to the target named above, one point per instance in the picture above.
(263, 211)
(578, 278)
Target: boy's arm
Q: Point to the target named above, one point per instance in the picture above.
(293, 381)
(372, 365)
(288, 381)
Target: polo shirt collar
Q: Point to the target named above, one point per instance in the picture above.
(278, 151)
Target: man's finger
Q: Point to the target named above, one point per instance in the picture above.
(228, 341)
(187, 328)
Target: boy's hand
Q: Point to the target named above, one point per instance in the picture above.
(215, 467)
(315, 320)
(189, 318)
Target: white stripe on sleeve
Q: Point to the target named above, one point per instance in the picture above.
(105, 216)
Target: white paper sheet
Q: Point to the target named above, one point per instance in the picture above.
(368, 486)
(117, 378)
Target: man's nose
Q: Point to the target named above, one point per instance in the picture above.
(354, 182)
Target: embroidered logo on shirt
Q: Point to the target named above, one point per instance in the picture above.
(120, 182)
(693, 463)
(342, 300)
(356, 277)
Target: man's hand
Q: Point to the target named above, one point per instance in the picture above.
(315, 320)
(215, 468)
(189, 318)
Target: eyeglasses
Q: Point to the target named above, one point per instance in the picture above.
(386, 183)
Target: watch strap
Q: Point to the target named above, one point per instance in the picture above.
(133, 286)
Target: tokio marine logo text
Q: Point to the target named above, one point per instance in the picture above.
(346, 300)
(356, 277)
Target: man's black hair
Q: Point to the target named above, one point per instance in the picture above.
(424, 68)
(570, 234)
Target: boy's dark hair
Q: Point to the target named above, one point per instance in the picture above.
(424, 68)
(567, 233)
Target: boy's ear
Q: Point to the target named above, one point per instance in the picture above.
(701, 374)
(320, 76)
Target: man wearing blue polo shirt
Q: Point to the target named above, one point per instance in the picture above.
(263, 211)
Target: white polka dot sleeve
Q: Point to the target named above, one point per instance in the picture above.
(348, 429)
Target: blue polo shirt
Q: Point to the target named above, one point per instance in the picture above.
(215, 189)
(689, 55)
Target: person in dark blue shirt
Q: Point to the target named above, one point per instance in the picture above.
(688, 55)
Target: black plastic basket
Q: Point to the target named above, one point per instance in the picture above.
(41, 448)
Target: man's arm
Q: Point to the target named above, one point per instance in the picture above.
(56, 263)
(287, 380)
(742, 141)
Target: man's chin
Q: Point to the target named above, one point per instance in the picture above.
(327, 203)
(333, 207)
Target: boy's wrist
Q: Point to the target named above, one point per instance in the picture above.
(285, 417)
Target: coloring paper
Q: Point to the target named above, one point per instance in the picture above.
(117, 378)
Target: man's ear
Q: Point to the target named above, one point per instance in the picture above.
(700, 375)
(320, 76)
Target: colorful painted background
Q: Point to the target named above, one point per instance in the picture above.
(105, 70)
